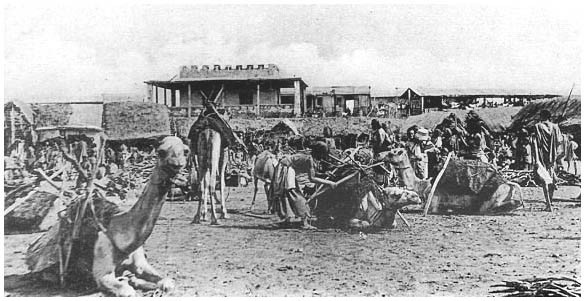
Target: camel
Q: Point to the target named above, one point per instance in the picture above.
(498, 202)
(211, 161)
(398, 157)
(118, 246)
(264, 166)
(396, 198)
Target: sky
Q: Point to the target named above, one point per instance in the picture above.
(68, 51)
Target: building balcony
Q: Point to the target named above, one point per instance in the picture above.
(239, 111)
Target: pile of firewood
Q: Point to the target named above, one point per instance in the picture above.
(541, 287)
(524, 178)
(566, 178)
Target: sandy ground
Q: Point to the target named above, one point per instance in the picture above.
(440, 256)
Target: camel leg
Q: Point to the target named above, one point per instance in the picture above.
(200, 216)
(222, 168)
(268, 198)
(255, 192)
(148, 274)
(209, 196)
(104, 267)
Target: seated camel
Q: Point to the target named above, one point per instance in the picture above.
(394, 199)
(398, 157)
(114, 257)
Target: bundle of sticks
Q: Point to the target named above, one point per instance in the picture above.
(541, 287)
(524, 178)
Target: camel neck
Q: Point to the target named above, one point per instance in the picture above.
(141, 218)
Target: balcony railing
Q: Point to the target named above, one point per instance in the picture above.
(268, 110)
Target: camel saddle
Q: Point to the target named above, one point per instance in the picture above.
(217, 123)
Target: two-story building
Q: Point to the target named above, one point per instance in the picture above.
(254, 89)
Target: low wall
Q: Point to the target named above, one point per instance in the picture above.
(306, 126)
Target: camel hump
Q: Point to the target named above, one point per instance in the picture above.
(216, 123)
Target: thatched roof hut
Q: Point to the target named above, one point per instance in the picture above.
(135, 120)
(567, 113)
(18, 122)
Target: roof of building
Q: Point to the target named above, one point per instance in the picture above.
(205, 74)
(422, 91)
(339, 90)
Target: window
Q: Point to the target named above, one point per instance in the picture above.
(319, 102)
(287, 100)
(246, 98)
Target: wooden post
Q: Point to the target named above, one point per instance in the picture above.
(173, 98)
(156, 93)
(189, 100)
(165, 96)
(149, 92)
(422, 104)
(258, 99)
(432, 193)
(297, 101)
(12, 125)
(409, 103)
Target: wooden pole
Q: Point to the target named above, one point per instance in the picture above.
(431, 194)
(165, 96)
(189, 99)
(12, 125)
(258, 99)
(156, 93)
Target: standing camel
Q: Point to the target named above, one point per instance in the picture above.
(211, 161)
(264, 166)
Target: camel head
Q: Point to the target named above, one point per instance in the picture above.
(172, 155)
(398, 198)
(398, 157)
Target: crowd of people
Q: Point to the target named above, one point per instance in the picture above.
(504, 151)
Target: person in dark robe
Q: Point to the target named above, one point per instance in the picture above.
(289, 201)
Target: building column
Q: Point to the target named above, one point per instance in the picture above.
(148, 92)
(297, 101)
(165, 96)
(156, 93)
(173, 98)
(189, 100)
(258, 99)
(409, 103)
(422, 104)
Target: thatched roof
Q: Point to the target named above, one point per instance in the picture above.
(566, 113)
(24, 108)
(68, 114)
(136, 120)
(496, 119)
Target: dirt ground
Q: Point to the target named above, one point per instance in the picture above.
(441, 255)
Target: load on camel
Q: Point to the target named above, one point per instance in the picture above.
(358, 202)
(211, 138)
(95, 243)
(462, 186)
